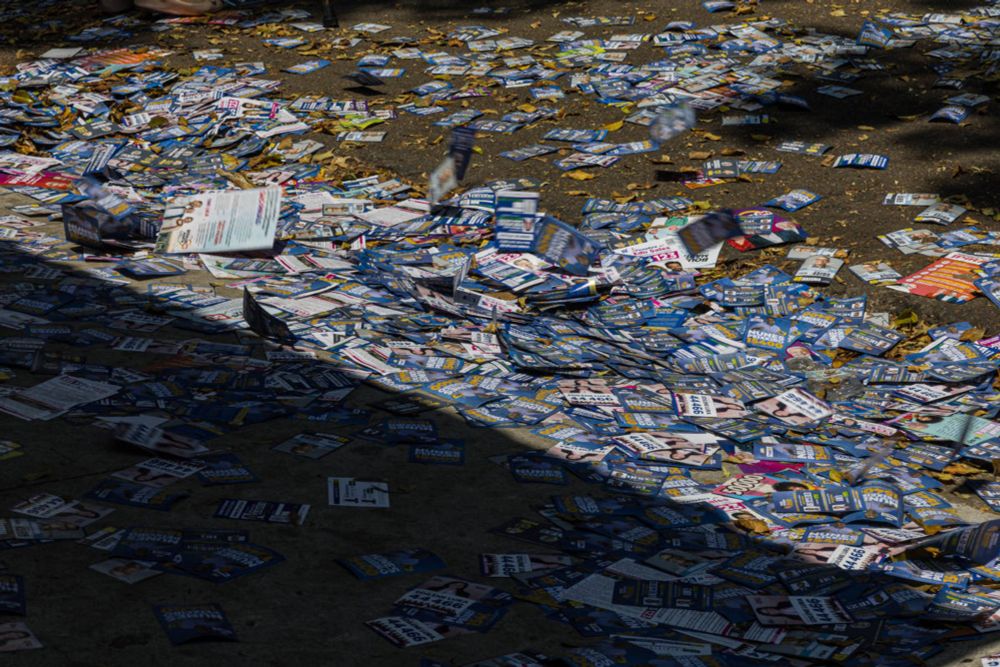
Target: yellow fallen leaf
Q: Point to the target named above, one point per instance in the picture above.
(614, 127)
(578, 175)
(961, 469)
(751, 525)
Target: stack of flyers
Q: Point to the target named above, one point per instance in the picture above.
(350, 492)
(194, 622)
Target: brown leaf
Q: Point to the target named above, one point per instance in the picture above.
(751, 525)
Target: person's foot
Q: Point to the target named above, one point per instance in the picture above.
(115, 6)
(180, 7)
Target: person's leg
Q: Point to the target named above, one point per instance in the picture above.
(181, 7)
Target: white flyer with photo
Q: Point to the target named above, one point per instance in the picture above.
(220, 221)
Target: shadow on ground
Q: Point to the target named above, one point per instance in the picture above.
(308, 608)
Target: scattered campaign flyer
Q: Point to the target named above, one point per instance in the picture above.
(448, 451)
(442, 180)
(709, 230)
(565, 247)
(951, 278)
(350, 492)
(795, 407)
(17, 636)
(262, 510)
(738, 451)
(404, 632)
(312, 445)
(126, 570)
(797, 610)
(158, 472)
(120, 492)
(260, 321)
(875, 273)
(12, 598)
(52, 398)
(818, 270)
(508, 565)
(194, 622)
(392, 564)
(160, 441)
(220, 221)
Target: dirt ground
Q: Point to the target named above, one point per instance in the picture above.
(309, 610)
